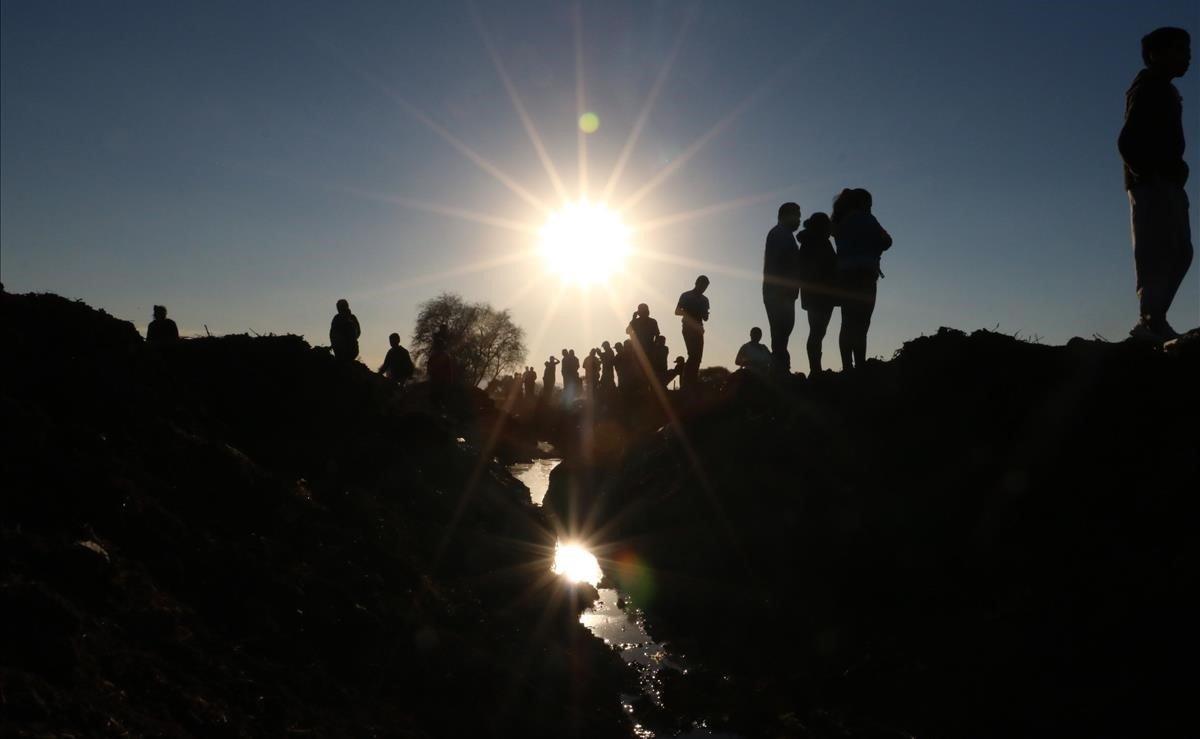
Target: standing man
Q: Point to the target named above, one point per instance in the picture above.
(1151, 145)
(548, 376)
(693, 307)
(530, 382)
(162, 331)
(607, 360)
(780, 286)
(344, 332)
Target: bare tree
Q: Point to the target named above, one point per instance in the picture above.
(483, 341)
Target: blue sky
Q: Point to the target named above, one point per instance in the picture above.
(234, 161)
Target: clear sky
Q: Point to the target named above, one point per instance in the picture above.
(247, 164)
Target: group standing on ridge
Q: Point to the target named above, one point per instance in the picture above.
(808, 266)
(830, 261)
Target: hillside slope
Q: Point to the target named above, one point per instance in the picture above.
(242, 537)
(982, 537)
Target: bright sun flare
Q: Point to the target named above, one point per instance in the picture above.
(585, 243)
(576, 564)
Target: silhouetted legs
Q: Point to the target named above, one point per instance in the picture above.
(858, 304)
(818, 323)
(693, 339)
(781, 319)
(1162, 246)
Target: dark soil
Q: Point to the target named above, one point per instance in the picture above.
(243, 537)
(980, 538)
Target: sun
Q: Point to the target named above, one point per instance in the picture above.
(585, 243)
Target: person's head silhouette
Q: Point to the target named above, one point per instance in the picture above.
(606, 346)
(564, 352)
(343, 305)
(394, 339)
(850, 200)
(701, 283)
(643, 310)
(1167, 50)
(160, 312)
(756, 334)
(572, 352)
(789, 216)
(818, 224)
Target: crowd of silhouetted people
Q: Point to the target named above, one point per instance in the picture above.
(832, 261)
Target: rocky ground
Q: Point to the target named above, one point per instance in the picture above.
(983, 537)
(242, 537)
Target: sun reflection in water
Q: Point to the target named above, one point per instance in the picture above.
(576, 564)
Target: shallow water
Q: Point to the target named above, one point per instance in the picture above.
(536, 476)
(615, 620)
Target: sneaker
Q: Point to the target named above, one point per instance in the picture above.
(1143, 331)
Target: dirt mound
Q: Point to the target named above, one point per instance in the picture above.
(982, 537)
(242, 537)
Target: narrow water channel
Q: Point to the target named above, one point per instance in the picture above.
(612, 618)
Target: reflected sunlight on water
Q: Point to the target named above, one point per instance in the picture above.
(611, 618)
(576, 563)
(535, 476)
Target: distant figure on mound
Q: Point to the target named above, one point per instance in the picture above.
(693, 307)
(440, 368)
(530, 382)
(861, 242)
(397, 364)
(344, 332)
(591, 371)
(607, 363)
(1151, 145)
(659, 355)
(779, 288)
(676, 371)
(818, 283)
(642, 330)
(621, 355)
(570, 371)
(755, 357)
(548, 375)
(162, 331)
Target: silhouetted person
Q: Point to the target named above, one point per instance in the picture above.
(570, 371)
(642, 331)
(621, 356)
(591, 371)
(860, 243)
(162, 331)
(817, 271)
(1151, 145)
(659, 356)
(530, 382)
(780, 288)
(753, 355)
(397, 364)
(344, 332)
(693, 308)
(607, 363)
(642, 328)
(677, 370)
(548, 375)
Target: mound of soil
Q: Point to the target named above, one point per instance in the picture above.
(240, 536)
(982, 537)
